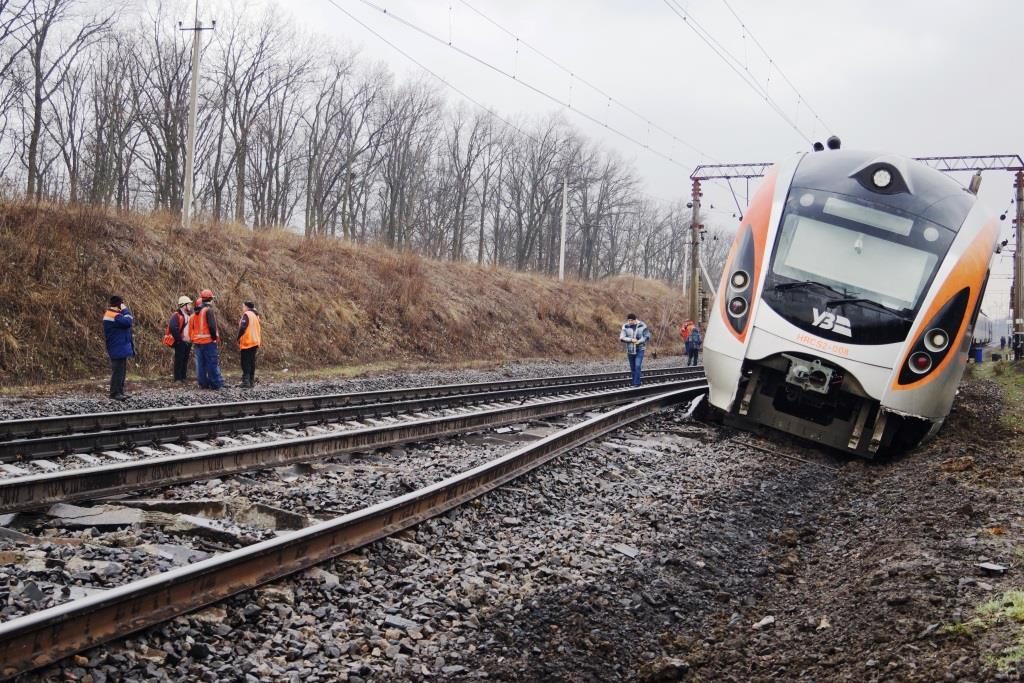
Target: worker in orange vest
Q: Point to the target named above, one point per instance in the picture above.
(249, 340)
(684, 334)
(202, 330)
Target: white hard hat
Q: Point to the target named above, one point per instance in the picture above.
(182, 300)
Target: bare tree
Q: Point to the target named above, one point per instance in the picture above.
(113, 138)
(248, 57)
(276, 171)
(13, 23)
(67, 125)
(160, 91)
(53, 47)
(413, 114)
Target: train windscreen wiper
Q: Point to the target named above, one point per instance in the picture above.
(869, 302)
(804, 283)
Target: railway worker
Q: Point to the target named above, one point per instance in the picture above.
(117, 329)
(1002, 343)
(249, 340)
(202, 329)
(693, 344)
(635, 336)
(177, 332)
(684, 333)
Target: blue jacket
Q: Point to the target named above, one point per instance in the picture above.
(117, 327)
(693, 342)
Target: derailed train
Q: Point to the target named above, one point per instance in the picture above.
(846, 309)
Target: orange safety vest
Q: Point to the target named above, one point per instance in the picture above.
(251, 337)
(198, 328)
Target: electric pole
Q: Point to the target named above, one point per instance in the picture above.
(561, 248)
(694, 310)
(190, 147)
(1018, 259)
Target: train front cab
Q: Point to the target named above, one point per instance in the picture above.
(858, 339)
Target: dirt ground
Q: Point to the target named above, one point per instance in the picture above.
(828, 569)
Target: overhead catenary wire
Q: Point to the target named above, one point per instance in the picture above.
(440, 78)
(562, 103)
(576, 76)
(771, 61)
(733, 63)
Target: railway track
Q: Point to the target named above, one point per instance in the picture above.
(45, 637)
(180, 464)
(26, 445)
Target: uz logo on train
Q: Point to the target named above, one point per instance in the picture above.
(831, 321)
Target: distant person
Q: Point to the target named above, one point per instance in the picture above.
(693, 344)
(635, 336)
(117, 328)
(249, 340)
(202, 329)
(177, 337)
(1002, 343)
(684, 333)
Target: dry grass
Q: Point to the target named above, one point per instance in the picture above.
(324, 303)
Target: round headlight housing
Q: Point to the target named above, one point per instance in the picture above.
(881, 178)
(936, 340)
(737, 306)
(739, 280)
(920, 363)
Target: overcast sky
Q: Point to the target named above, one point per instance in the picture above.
(911, 77)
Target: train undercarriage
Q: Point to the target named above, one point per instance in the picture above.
(810, 398)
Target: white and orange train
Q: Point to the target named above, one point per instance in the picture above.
(846, 308)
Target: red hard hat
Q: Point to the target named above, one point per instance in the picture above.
(206, 294)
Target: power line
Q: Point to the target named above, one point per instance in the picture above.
(771, 61)
(732, 62)
(584, 81)
(432, 73)
(498, 70)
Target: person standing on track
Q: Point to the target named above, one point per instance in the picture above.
(117, 328)
(249, 340)
(202, 329)
(693, 344)
(635, 336)
(177, 332)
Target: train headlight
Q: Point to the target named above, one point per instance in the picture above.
(881, 178)
(936, 340)
(920, 363)
(737, 306)
(739, 280)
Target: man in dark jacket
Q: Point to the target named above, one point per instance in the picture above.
(178, 328)
(693, 344)
(117, 328)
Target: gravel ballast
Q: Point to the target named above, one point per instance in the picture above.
(664, 551)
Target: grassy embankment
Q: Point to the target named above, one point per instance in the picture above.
(329, 307)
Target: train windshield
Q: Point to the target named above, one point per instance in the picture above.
(863, 261)
(853, 262)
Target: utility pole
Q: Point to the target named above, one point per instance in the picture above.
(694, 286)
(1018, 259)
(190, 149)
(561, 248)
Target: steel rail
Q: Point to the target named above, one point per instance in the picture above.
(62, 444)
(64, 424)
(39, 490)
(45, 637)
